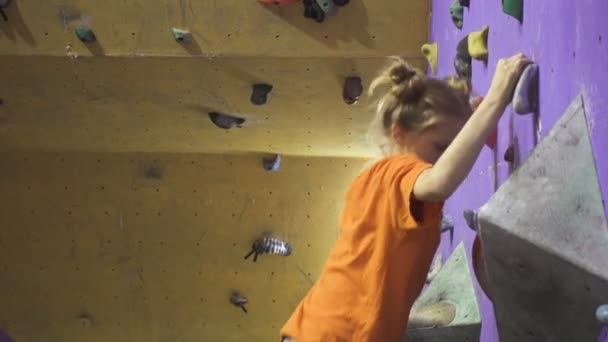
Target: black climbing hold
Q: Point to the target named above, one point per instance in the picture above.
(4, 4)
(464, 3)
(509, 156)
(462, 61)
(225, 121)
(313, 10)
(514, 8)
(457, 13)
(525, 97)
(353, 88)
(272, 164)
(153, 171)
(471, 218)
(269, 245)
(85, 34)
(259, 94)
(238, 300)
(341, 2)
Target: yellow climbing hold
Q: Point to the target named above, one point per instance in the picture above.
(430, 52)
(460, 84)
(478, 44)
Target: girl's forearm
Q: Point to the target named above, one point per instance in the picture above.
(439, 182)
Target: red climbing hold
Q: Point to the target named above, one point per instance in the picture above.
(492, 140)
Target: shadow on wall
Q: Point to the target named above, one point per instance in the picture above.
(349, 23)
(15, 25)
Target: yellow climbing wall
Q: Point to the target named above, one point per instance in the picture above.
(93, 250)
(94, 246)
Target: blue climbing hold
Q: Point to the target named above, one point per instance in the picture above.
(85, 34)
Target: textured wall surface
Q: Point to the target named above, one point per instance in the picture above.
(95, 247)
(569, 41)
(125, 212)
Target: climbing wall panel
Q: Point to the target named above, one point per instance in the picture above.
(161, 104)
(544, 237)
(219, 28)
(146, 247)
(452, 285)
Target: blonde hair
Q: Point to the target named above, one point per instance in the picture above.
(412, 100)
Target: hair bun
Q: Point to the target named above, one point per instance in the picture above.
(401, 73)
(408, 82)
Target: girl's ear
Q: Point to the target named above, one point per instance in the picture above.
(397, 134)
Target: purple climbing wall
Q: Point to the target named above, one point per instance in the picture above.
(569, 40)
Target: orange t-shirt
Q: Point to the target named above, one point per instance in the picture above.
(378, 265)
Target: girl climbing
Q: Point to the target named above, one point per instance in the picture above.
(389, 226)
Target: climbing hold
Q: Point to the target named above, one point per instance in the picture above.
(85, 34)
(492, 139)
(341, 2)
(225, 121)
(447, 223)
(457, 13)
(514, 8)
(238, 300)
(509, 156)
(259, 94)
(471, 218)
(272, 164)
(435, 268)
(525, 98)
(602, 314)
(4, 4)
(313, 10)
(327, 6)
(431, 316)
(153, 171)
(462, 61)
(478, 44)
(463, 85)
(430, 52)
(353, 88)
(464, 3)
(181, 36)
(269, 245)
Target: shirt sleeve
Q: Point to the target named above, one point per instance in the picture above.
(411, 212)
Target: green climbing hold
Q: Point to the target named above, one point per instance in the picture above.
(457, 13)
(514, 8)
(181, 36)
(85, 34)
